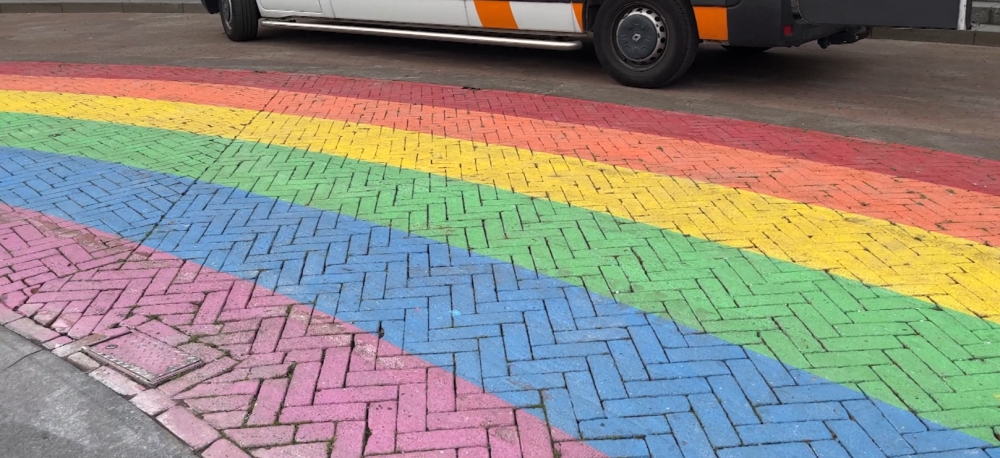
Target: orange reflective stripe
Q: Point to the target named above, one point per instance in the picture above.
(712, 23)
(495, 14)
(578, 11)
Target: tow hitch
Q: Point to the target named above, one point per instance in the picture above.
(852, 35)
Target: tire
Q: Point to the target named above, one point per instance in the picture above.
(239, 19)
(663, 31)
(745, 49)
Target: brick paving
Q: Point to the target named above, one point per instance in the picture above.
(717, 159)
(331, 289)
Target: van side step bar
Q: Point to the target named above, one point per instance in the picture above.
(439, 36)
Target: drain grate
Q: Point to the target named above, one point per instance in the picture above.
(145, 359)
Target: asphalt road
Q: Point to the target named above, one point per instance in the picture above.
(934, 95)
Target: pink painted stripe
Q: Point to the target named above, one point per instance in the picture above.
(253, 396)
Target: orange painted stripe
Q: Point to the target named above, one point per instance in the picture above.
(578, 11)
(495, 14)
(713, 23)
(933, 207)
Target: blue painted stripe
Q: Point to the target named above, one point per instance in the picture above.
(571, 350)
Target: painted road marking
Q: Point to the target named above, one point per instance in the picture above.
(595, 380)
(947, 271)
(936, 208)
(287, 372)
(895, 348)
(820, 324)
(951, 170)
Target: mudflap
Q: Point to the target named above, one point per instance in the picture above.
(212, 6)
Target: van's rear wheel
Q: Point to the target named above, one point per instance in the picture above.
(239, 19)
(645, 43)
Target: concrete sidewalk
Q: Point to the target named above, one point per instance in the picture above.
(49, 408)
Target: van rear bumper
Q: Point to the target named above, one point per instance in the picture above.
(764, 23)
(804, 32)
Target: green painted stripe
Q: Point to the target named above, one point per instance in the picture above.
(895, 348)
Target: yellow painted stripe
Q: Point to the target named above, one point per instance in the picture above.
(950, 271)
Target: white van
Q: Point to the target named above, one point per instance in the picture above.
(641, 43)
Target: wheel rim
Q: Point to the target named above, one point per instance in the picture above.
(640, 38)
(226, 11)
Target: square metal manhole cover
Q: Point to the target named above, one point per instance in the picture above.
(145, 359)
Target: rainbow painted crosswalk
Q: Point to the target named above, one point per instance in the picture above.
(376, 268)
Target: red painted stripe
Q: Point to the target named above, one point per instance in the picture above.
(77, 280)
(942, 168)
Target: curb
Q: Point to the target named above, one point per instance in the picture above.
(101, 7)
(960, 37)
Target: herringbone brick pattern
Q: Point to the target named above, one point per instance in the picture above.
(951, 210)
(885, 345)
(949, 170)
(280, 379)
(627, 383)
(939, 269)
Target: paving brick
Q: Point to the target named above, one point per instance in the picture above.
(763, 451)
(882, 432)
(7, 315)
(189, 428)
(224, 449)
(733, 400)
(220, 403)
(261, 437)
(478, 417)
(734, 382)
(153, 402)
(714, 421)
(117, 381)
(225, 420)
(411, 416)
(83, 362)
(332, 412)
(689, 369)
(303, 384)
(941, 441)
(289, 451)
(315, 432)
(31, 331)
(853, 439)
(617, 427)
(198, 375)
(382, 424)
(689, 435)
(829, 449)
(815, 393)
(752, 383)
(681, 386)
(455, 438)
(349, 438)
(639, 406)
(783, 432)
(247, 387)
(816, 411)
